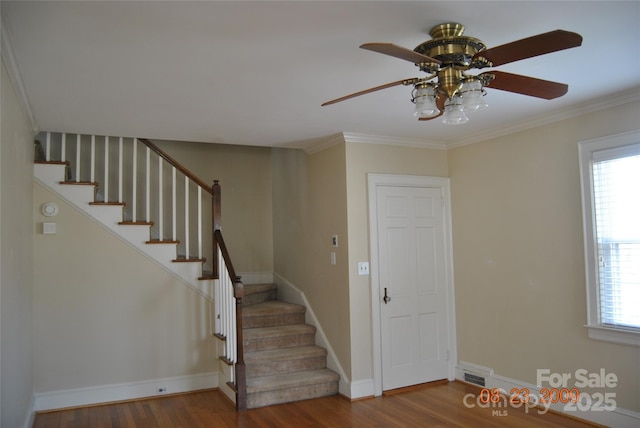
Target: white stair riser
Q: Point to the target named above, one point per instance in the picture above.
(107, 214)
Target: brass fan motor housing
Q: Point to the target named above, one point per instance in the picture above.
(450, 46)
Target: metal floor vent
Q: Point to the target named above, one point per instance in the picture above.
(474, 379)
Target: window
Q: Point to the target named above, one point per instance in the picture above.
(610, 176)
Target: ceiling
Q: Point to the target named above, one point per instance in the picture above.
(255, 73)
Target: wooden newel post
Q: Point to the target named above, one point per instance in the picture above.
(241, 373)
(216, 214)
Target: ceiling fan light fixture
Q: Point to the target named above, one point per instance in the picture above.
(454, 112)
(472, 94)
(424, 97)
(448, 91)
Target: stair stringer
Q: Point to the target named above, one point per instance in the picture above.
(287, 292)
(108, 216)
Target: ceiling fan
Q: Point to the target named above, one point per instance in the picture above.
(448, 90)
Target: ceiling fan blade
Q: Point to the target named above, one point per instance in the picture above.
(399, 52)
(541, 44)
(405, 82)
(440, 100)
(526, 85)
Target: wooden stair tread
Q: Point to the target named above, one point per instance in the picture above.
(79, 183)
(275, 331)
(290, 380)
(108, 203)
(164, 241)
(257, 357)
(182, 259)
(44, 162)
(136, 223)
(273, 307)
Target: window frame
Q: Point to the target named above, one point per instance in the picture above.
(598, 331)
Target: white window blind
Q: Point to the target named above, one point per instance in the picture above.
(616, 204)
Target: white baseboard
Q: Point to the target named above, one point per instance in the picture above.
(123, 391)
(361, 389)
(619, 418)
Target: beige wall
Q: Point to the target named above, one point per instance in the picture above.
(518, 254)
(318, 195)
(16, 260)
(104, 313)
(362, 159)
(245, 177)
(309, 208)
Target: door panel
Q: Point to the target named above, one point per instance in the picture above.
(414, 327)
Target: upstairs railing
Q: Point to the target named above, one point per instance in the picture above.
(156, 189)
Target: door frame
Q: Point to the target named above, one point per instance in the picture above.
(443, 183)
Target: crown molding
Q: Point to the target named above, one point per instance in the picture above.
(394, 141)
(319, 144)
(621, 98)
(6, 51)
(316, 145)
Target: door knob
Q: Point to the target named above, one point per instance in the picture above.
(386, 297)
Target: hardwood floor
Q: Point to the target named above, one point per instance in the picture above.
(433, 405)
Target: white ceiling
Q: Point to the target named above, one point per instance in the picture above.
(255, 73)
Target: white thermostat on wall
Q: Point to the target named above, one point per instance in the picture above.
(50, 209)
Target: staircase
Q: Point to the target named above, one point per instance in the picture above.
(283, 364)
(138, 234)
(277, 360)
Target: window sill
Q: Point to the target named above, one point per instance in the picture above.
(615, 335)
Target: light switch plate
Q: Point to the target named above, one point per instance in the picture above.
(363, 268)
(48, 228)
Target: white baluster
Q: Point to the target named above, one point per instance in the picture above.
(186, 216)
(225, 302)
(106, 169)
(174, 236)
(216, 302)
(199, 222)
(229, 320)
(93, 159)
(47, 147)
(160, 208)
(223, 305)
(120, 172)
(148, 186)
(78, 137)
(232, 330)
(225, 299)
(134, 179)
(63, 149)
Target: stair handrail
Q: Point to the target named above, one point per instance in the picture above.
(240, 381)
(177, 165)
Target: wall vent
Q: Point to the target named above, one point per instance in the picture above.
(474, 379)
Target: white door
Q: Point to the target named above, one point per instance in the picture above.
(412, 275)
